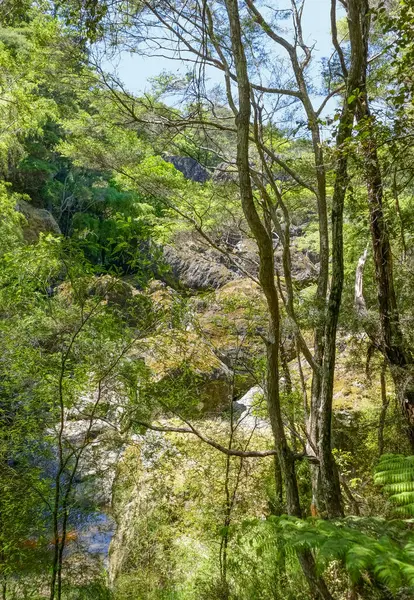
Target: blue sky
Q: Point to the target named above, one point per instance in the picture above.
(135, 70)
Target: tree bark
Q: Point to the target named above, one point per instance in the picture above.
(328, 471)
(267, 280)
(384, 406)
(266, 268)
(391, 341)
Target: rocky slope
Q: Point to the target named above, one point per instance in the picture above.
(205, 351)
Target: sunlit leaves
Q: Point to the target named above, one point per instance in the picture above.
(395, 474)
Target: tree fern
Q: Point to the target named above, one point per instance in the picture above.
(395, 473)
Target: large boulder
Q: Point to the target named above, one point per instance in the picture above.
(38, 220)
(195, 264)
(251, 407)
(189, 167)
(233, 320)
(196, 267)
(304, 270)
(103, 448)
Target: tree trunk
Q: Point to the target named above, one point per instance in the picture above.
(328, 470)
(384, 406)
(404, 389)
(391, 341)
(267, 280)
(278, 508)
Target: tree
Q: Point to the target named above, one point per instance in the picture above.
(261, 195)
(372, 133)
(66, 353)
(259, 135)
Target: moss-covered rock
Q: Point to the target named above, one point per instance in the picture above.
(194, 266)
(183, 356)
(169, 504)
(38, 220)
(233, 319)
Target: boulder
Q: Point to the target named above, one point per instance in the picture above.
(196, 267)
(38, 220)
(249, 407)
(189, 167)
(304, 271)
(99, 459)
(233, 320)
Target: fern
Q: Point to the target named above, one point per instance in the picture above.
(395, 474)
(370, 549)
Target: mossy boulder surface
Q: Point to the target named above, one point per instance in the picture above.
(173, 354)
(38, 220)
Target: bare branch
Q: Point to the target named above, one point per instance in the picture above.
(192, 430)
(334, 33)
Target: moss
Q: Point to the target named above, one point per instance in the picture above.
(173, 350)
(38, 220)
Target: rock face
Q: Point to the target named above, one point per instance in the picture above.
(195, 267)
(189, 167)
(39, 221)
(225, 174)
(162, 481)
(304, 271)
(249, 406)
(233, 319)
(98, 460)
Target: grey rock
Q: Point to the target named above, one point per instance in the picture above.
(246, 408)
(226, 173)
(313, 256)
(99, 459)
(196, 268)
(189, 167)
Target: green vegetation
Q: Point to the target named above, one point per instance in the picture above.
(206, 316)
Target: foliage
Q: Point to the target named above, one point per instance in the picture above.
(367, 549)
(395, 474)
(93, 356)
(10, 220)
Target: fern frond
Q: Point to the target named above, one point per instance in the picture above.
(403, 486)
(395, 474)
(405, 511)
(402, 498)
(382, 549)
